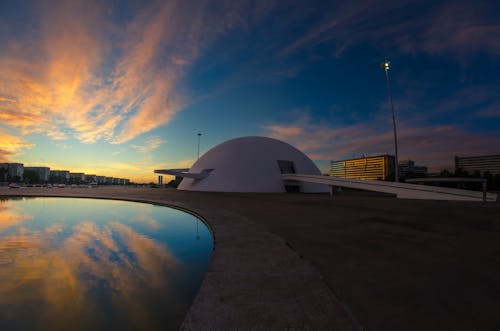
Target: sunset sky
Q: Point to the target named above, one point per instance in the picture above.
(120, 88)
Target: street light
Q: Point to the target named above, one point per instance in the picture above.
(386, 66)
(199, 137)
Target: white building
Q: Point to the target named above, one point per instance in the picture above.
(249, 164)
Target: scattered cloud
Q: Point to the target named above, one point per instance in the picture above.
(98, 79)
(103, 79)
(4, 99)
(433, 146)
(483, 100)
(491, 111)
(11, 145)
(285, 131)
(439, 28)
(463, 27)
(64, 146)
(150, 144)
(118, 151)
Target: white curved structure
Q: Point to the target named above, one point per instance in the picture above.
(250, 164)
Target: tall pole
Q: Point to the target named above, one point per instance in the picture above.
(199, 138)
(386, 65)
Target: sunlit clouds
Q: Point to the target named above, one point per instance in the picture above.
(150, 144)
(119, 87)
(92, 78)
(433, 146)
(11, 145)
(460, 28)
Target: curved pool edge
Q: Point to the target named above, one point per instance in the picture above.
(146, 201)
(254, 280)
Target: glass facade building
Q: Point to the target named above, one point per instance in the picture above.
(379, 167)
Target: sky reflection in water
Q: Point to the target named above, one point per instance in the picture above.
(85, 264)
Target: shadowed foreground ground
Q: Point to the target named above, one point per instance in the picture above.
(390, 264)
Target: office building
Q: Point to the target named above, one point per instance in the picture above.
(13, 171)
(59, 176)
(408, 169)
(76, 177)
(91, 178)
(43, 172)
(481, 164)
(379, 167)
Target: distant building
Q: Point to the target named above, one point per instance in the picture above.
(91, 178)
(76, 177)
(109, 180)
(43, 173)
(481, 164)
(3, 171)
(379, 167)
(408, 169)
(101, 179)
(13, 170)
(59, 176)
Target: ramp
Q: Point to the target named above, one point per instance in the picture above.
(401, 190)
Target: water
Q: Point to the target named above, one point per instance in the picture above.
(87, 264)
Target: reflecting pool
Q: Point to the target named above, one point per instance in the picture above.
(88, 264)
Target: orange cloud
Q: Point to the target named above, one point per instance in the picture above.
(150, 144)
(280, 130)
(11, 145)
(4, 99)
(77, 81)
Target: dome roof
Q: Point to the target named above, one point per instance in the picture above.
(251, 164)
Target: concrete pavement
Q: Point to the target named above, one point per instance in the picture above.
(348, 262)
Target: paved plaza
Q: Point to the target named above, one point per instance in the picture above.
(354, 261)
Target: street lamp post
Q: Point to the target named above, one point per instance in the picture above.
(199, 138)
(386, 65)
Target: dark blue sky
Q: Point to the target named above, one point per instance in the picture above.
(125, 86)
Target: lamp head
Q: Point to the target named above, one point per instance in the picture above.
(386, 65)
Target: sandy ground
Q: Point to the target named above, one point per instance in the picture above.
(388, 264)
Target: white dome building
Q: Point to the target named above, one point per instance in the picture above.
(250, 164)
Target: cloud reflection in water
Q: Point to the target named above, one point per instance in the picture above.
(101, 275)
